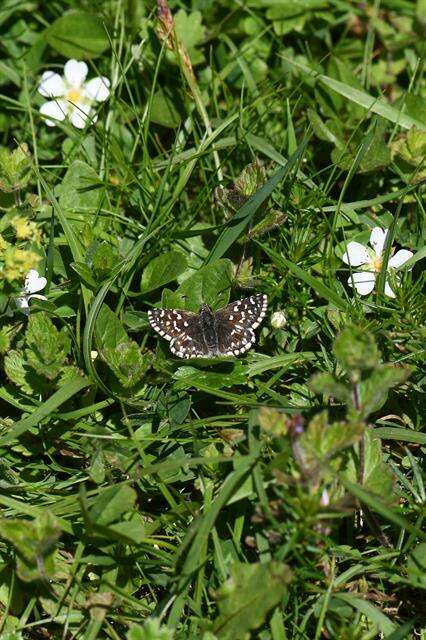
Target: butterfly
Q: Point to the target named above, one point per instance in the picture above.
(208, 334)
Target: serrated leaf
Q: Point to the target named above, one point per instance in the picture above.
(77, 35)
(47, 347)
(321, 440)
(247, 596)
(162, 270)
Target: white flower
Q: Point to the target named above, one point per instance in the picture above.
(278, 320)
(70, 95)
(33, 282)
(370, 261)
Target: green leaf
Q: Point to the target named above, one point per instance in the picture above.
(317, 285)
(47, 347)
(375, 388)
(166, 109)
(113, 503)
(77, 35)
(247, 596)
(416, 566)
(377, 617)
(108, 329)
(361, 98)
(325, 383)
(127, 362)
(244, 215)
(46, 409)
(209, 285)
(190, 32)
(80, 191)
(355, 348)
(321, 440)
(151, 629)
(34, 543)
(162, 270)
(377, 477)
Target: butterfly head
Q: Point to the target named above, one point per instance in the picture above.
(205, 309)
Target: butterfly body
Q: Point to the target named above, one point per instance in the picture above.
(208, 334)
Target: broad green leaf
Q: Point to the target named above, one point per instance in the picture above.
(166, 109)
(34, 542)
(355, 348)
(162, 270)
(113, 503)
(245, 599)
(109, 330)
(78, 35)
(80, 192)
(47, 347)
(209, 285)
(234, 374)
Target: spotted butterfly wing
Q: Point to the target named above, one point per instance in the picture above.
(182, 329)
(227, 332)
(236, 322)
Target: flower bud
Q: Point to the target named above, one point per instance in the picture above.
(278, 320)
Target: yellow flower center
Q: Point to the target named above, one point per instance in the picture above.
(74, 95)
(377, 264)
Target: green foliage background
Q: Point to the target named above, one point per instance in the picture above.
(276, 496)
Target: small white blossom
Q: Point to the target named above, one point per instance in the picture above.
(370, 262)
(325, 498)
(33, 282)
(71, 96)
(278, 320)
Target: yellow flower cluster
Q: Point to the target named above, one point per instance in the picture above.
(26, 229)
(17, 262)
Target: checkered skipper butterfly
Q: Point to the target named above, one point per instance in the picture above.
(208, 334)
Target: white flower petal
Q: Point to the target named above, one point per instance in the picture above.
(75, 72)
(400, 258)
(97, 89)
(55, 109)
(80, 114)
(51, 85)
(388, 290)
(377, 240)
(38, 296)
(356, 254)
(363, 281)
(34, 282)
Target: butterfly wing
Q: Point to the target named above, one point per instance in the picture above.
(236, 322)
(182, 329)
